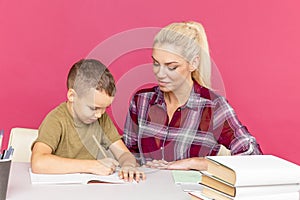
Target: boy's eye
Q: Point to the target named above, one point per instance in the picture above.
(93, 109)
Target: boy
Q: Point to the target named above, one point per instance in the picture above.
(70, 135)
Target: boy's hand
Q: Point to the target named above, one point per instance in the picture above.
(130, 173)
(105, 166)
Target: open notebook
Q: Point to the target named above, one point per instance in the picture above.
(81, 178)
(74, 178)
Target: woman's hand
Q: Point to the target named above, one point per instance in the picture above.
(188, 164)
(159, 164)
(130, 173)
(195, 163)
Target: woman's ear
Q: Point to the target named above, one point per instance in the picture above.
(195, 63)
(71, 95)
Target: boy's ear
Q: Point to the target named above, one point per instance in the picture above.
(194, 64)
(71, 95)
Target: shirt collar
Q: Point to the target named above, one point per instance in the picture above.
(192, 103)
(193, 100)
(159, 97)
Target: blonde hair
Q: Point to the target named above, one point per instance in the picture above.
(191, 41)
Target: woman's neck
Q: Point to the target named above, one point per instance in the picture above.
(180, 96)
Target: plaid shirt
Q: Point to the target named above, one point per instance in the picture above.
(197, 129)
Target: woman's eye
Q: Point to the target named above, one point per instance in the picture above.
(172, 68)
(155, 64)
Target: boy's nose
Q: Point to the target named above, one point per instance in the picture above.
(99, 113)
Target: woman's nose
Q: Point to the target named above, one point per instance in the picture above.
(160, 71)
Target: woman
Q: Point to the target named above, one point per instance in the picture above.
(180, 121)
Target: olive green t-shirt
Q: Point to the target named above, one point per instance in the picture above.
(71, 139)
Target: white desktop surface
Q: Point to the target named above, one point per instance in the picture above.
(158, 185)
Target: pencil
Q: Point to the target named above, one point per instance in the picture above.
(99, 146)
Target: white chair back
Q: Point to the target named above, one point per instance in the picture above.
(21, 140)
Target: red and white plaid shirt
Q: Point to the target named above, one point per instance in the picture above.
(196, 129)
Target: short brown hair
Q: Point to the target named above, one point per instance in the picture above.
(90, 73)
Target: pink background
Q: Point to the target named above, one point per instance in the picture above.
(254, 43)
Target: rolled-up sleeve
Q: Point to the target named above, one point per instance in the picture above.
(230, 132)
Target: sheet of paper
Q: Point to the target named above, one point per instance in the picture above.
(190, 176)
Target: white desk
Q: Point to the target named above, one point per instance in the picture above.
(159, 185)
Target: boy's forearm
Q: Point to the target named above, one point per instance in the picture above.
(48, 164)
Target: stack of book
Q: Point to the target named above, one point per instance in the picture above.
(247, 177)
